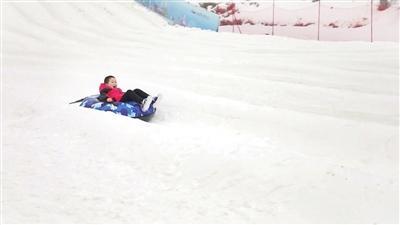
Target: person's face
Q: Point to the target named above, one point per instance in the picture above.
(112, 82)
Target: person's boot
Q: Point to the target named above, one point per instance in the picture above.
(155, 98)
(146, 103)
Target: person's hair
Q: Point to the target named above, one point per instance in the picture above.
(107, 79)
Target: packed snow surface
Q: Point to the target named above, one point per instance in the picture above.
(250, 129)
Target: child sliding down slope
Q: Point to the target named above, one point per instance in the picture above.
(112, 93)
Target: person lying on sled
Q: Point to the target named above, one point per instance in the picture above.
(109, 92)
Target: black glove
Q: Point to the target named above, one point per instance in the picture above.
(104, 91)
(102, 98)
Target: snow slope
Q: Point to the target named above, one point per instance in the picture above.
(251, 129)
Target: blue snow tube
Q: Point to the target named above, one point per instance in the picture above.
(130, 109)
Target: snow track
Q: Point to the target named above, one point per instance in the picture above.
(250, 129)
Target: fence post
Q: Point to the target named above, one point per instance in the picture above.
(273, 16)
(372, 19)
(240, 31)
(233, 25)
(319, 17)
(235, 19)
